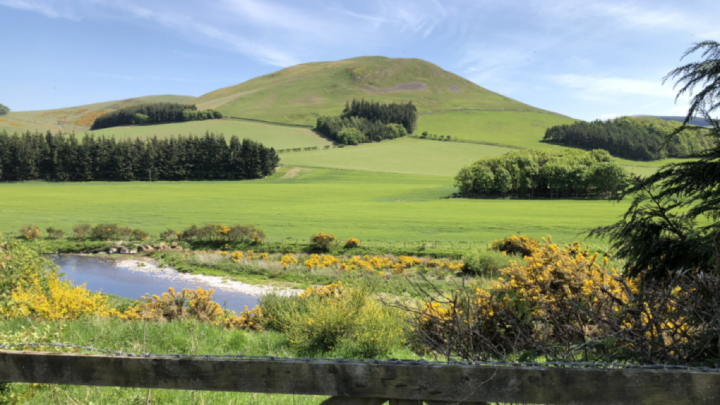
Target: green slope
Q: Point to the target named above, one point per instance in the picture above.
(300, 93)
(275, 136)
(75, 119)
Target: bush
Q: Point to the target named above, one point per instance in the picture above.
(351, 136)
(104, 231)
(322, 241)
(351, 243)
(124, 232)
(139, 234)
(55, 233)
(18, 265)
(485, 262)
(169, 235)
(81, 231)
(30, 232)
(335, 319)
(515, 245)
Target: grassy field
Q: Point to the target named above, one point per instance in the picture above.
(520, 129)
(299, 94)
(298, 203)
(405, 155)
(276, 136)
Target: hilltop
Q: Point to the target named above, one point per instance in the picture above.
(299, 94)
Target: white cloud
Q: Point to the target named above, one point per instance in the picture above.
(49, 9)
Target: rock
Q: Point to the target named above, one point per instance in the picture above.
(174, 244)
(118, 244)
(162, 246)
(124, 251)
(112, 251)
(132, 251)
(146, 248)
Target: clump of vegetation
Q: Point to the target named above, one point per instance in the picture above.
(169, 235)
(82, 231)
(139, 234)
(543, 173)
(104, 231)
(322, 241)
(366, 121)
(30, 232)
(637, 138)
(54, 233)
(516, 245)
(4, 110)
(485, 262)
(336, 319)
(351, 243)
(153, 113)
(219, 232)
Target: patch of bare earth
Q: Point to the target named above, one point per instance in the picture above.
(294, 172)
(454, 88)
(412, 86)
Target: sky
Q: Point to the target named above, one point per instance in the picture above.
(585, 59)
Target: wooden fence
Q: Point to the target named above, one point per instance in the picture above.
(370, 383)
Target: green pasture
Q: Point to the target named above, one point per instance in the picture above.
(276, 136)
(404, 155)
(513, 128)
(297, 203)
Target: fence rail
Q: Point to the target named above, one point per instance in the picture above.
(362, 382)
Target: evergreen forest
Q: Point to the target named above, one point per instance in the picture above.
(63, 157)
(636, 138)
(367, 121)
(153, 113)
(4, 110)
(543, 173)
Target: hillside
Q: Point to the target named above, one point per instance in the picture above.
(299, 94)
(700, 122)
(75, 119)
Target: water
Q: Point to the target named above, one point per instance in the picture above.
(101, 274)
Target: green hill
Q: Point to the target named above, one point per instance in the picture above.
(299, 94)
(75, 119)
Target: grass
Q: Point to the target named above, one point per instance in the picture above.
(365, 205)
(276, 136)
(404, 155)
(299, 94)
(519, 129)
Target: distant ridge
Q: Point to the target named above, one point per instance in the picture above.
(700, 122)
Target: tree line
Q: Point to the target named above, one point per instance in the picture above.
(153, 113)
(637, 138)
(64, 157)
(366, 121)
(543, 173)
(4, 110)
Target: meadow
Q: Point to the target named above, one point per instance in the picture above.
(275, 136)
(300, 202)
(512, 128)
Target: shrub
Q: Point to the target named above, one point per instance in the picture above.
(485, 262)
(104, 231)
(522, 245)
(18, 265)
(351, 243)
(81, 231)
(139, 234)
(337, 319)
(124, 232)
(55, 233)
(169, 235)
(30, 232)
(322, 241)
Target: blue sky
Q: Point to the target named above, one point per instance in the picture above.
(585, 59)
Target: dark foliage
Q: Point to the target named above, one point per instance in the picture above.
(366, 121)
(705, 73)
(152, 114)
(37, 156)
(4, 110)
(631, 138)
(543, 173)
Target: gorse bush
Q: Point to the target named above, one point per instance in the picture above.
(82, 231)
(351, 243)
(54, 233)
(19, 265)
(139, 234)
(335, 319)
(124, 232)
(516, 245)
(210, 232)
(104, 231)
(30, 232)
(169, 235)
(322, 241)
(485, 262)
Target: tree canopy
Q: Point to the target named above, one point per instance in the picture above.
(543, 173)
(365, 121)
(153, 113)
(4, 110)
(673, 223)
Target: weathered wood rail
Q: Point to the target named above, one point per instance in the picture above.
(368, 383)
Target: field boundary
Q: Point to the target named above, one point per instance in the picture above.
(271, 122)
(493, 109)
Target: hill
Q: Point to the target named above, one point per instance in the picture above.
(75, 119)
(299, 94)
(700, 122)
